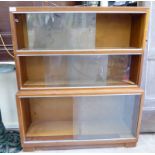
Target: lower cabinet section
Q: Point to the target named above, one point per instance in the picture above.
(79, 119)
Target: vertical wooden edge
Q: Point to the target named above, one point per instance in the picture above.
(13, 31)
(14, 42)
(146, 22)
(135, 69)
(140, 116)
(20, 119)
(140, 66)
(18, 72)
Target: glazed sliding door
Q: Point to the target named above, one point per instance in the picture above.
(79, 71)
(79, 31)
(81, 117)
(107, 117)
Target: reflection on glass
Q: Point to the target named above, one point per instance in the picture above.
(78, 71)
(59, 31)
(87, 117)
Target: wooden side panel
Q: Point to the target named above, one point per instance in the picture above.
(35, 67)
(138, 31)
(23, 70)
(13, 31)
(20, 119)
(113, 30)
(21, 30)
(25, 114)
(135, 70)
(135, 116)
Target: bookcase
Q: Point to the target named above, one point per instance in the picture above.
(79, 73)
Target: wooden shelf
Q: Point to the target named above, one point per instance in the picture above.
(49, 128)
(79, 92)
(44, 84)
(84, 130)
(130, 50)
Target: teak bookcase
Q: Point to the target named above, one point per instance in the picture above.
(79, 73)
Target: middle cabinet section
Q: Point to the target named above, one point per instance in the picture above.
(59, 71)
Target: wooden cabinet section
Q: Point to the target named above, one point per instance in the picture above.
(79, 73)
(78, 31)
(80, 115)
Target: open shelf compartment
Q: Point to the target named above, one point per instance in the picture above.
(85, 117)
(68, 71)
(75, 31)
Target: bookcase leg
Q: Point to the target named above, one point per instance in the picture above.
(130, 144)
(28, 149)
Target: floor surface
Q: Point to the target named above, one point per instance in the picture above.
(146, 144)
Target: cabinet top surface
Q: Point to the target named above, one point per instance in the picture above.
(79, 9)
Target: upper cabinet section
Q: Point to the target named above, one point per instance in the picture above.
(78, 29)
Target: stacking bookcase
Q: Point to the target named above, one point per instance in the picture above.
(79, 73)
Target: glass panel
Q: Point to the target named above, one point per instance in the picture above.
(87, 117)
(58, 31)
(77, 71)
(107, 117)
(80, 31)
